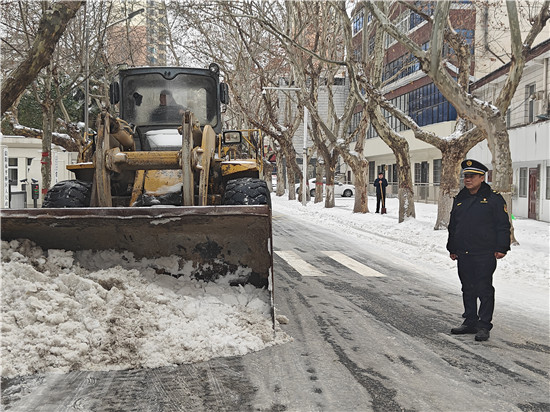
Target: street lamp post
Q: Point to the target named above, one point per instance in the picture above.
(304, 152)
(87, 60)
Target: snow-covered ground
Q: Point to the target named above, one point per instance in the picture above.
(63, 311)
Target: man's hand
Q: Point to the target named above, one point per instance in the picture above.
(453, 256)
(499, 255)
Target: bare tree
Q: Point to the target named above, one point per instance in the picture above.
(250, 60)
(52, 26)
(299, 43)
(64, 73)
(488, 118)
(366, 74)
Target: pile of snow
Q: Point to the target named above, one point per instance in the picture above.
(65, 311)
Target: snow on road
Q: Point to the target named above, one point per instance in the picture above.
(59, 315)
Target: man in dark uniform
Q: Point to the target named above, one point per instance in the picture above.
(479, 234)
(380, 185)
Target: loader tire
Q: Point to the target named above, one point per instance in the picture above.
(69, 193)
(247, 191)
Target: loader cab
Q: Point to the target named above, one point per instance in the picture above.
(154, 99)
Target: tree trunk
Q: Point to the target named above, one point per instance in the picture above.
(267, 173)
(400, 149)
(405, 191)
(330, 169)
(279, 159)
(51, 28)
(292, 167)
(451, 159)
(291, 183)
(361, 171)
(46, 163)
(498, 141)
(319, 182)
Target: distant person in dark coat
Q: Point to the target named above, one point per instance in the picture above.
(380, 185)
(479, 234)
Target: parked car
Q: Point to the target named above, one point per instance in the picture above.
(340, 189)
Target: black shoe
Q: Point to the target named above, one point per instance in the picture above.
(463, 329)
(482, 334)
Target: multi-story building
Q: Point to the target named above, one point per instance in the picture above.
(156, 32)
(412, 91)
(145, 44)
(528, 121)
(415, 94)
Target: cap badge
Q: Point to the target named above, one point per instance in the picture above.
(469, 163)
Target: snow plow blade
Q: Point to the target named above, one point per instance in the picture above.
(218, 240)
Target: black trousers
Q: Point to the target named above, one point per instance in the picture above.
(380, 199)
(476, 275)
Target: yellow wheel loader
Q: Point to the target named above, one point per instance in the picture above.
(163, 179)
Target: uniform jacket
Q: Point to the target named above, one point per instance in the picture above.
(479, 223)
(377, 185)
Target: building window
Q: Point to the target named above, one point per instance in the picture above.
(357, 53)
(426, 7)
(421, 171)
(371, 45)
(401, 103)
(392, 173)
(427, 106)
(371, 132)
(402, 25)
(437, 172)
(529, 103)
(339, 81)
(417, 173)
(400, 67)
(357, 22)
(522, 182)
(355, 120)
(13, 172)
(371, 172)
(547, 182)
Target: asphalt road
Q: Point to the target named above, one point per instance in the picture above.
(370, 334)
